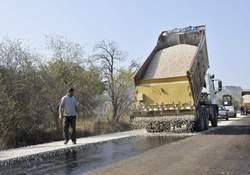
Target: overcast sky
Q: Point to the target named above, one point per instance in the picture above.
(135, 26)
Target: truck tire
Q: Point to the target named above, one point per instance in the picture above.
(214, 119)
(206, 122)
(235, 115)
(200, 123)
(214, 122)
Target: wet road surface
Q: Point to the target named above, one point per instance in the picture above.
(225, 150)
(92, 157)
(222, 150)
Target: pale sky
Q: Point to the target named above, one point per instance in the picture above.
(135, 26)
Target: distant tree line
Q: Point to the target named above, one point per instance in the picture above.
(31, 85)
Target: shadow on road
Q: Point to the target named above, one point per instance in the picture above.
(232, 130)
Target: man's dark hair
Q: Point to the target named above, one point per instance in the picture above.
(71, 90)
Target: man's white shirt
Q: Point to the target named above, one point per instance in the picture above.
(68, 104)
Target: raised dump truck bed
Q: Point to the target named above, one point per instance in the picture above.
(179, 56)
(169, 84)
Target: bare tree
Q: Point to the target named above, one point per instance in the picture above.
(109, 54)
(63, 49)
(125, 91)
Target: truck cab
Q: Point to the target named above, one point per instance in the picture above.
(210, 90)
(227, 101)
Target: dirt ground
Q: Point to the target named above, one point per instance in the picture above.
(222, 151)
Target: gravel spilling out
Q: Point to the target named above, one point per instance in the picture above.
(171, 62)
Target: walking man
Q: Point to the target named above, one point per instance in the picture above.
(68, 111)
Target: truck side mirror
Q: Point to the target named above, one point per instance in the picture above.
(219, 85)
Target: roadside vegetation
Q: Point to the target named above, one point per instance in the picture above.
(31, 85)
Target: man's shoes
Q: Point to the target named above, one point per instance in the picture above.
(74, 142)
(66, 142)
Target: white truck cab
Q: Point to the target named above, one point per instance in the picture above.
(227, 102)
(210, 90)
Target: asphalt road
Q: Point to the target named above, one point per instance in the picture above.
(225, 150)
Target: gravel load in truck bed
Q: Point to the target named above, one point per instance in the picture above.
(171, 62)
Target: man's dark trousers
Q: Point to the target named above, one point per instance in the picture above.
(69, 121)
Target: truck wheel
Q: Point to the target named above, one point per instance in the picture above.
(214, 120)
(206, 122)
(199, 124)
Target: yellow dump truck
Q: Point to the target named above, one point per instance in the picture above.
(246, 102)
(173, 90)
